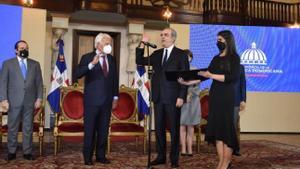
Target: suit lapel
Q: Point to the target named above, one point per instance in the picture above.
(172, 56)
(110, 64)
(97, 66)
(18, 68)
(29, 68)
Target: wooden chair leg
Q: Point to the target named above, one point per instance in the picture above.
(136, 142)
(145, 142)
(108, 145)
(41, 141)
(198, 138)
(55, 145)
(238, 130)
(59, 143)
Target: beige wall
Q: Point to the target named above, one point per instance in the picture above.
(34, 32)
(183, 35)
(265, 112)
(271, 112)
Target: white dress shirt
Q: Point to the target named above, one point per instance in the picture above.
(169, 52)
(24, 60)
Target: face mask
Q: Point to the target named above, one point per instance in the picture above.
(24, 53)
(221, 45)
(107, 49)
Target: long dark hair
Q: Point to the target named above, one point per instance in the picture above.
(230, 43)
(188, 53)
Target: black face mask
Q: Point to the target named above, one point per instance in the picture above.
(24, 53)
(221, 45)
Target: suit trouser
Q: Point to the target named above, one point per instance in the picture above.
(167, 113)
(96, 125)
(15, 114)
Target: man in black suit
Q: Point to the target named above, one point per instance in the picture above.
(168, 96)
(100, 96)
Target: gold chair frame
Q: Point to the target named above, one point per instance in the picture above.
(133, 120)
(62, 118)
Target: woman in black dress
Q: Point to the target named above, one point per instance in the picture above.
(224, 71)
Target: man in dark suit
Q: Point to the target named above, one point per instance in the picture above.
(21, 91)
(168, 96)
(100, 96)
(240, 101)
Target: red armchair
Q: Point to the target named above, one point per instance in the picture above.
(69, 121)
(204, 100)
(124, 120)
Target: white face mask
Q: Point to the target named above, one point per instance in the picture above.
(107, 49)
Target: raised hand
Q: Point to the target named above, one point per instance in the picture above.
(145, 38)
(95, 60)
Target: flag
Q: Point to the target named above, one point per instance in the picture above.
(141, 82)
(59, 78)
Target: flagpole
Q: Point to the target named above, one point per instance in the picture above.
(150, 73)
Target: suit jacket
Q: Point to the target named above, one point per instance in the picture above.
(15, 88)
(240, 87)
(97, 87)
(163, 90)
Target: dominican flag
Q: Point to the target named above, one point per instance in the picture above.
(141, 82)
(59, 78)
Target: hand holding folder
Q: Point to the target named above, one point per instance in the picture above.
(186, 75)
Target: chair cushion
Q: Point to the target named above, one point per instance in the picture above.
(204, 106)
(126, 127)
(125, 108)
(70, 127)
(4, 128)
(73, 105)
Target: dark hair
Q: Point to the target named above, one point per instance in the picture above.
(17, 43)
(188, 53)
(173, 32)
(230, 42)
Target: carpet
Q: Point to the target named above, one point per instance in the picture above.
(256, 154)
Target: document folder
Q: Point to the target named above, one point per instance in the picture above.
(186, 75)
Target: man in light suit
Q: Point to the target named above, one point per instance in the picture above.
(101, 91)
(21, 92)
(168, 96)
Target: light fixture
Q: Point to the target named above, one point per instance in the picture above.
(167, 14)
(28, 3)
(295, 25)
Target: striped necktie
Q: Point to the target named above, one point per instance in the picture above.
(165, 58)
(23, 68)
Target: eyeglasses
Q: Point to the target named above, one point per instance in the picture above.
(164, 34)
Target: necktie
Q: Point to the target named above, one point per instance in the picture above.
(104, 66)
(165, 58)
(23, 68)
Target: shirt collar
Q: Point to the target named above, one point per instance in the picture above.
(19, 59)
(170, 49)
(100, 53)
